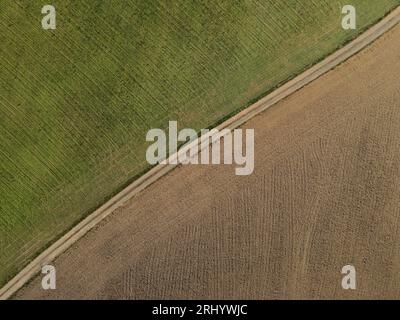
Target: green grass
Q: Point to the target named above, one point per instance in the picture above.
(76, 103)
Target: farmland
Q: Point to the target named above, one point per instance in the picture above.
(76, 102)
(324, 194)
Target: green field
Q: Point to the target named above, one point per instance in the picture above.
(76, 102)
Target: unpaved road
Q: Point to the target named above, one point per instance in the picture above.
(324, 193)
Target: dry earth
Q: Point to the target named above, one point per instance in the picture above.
(325, 193)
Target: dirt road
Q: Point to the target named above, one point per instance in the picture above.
(325, 193)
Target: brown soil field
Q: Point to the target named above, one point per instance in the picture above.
(324, 194)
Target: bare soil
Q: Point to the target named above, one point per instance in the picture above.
(324, 194)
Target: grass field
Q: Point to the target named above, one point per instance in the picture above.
(324, 194)
(76, 103)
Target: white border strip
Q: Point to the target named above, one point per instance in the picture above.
(160, 170)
